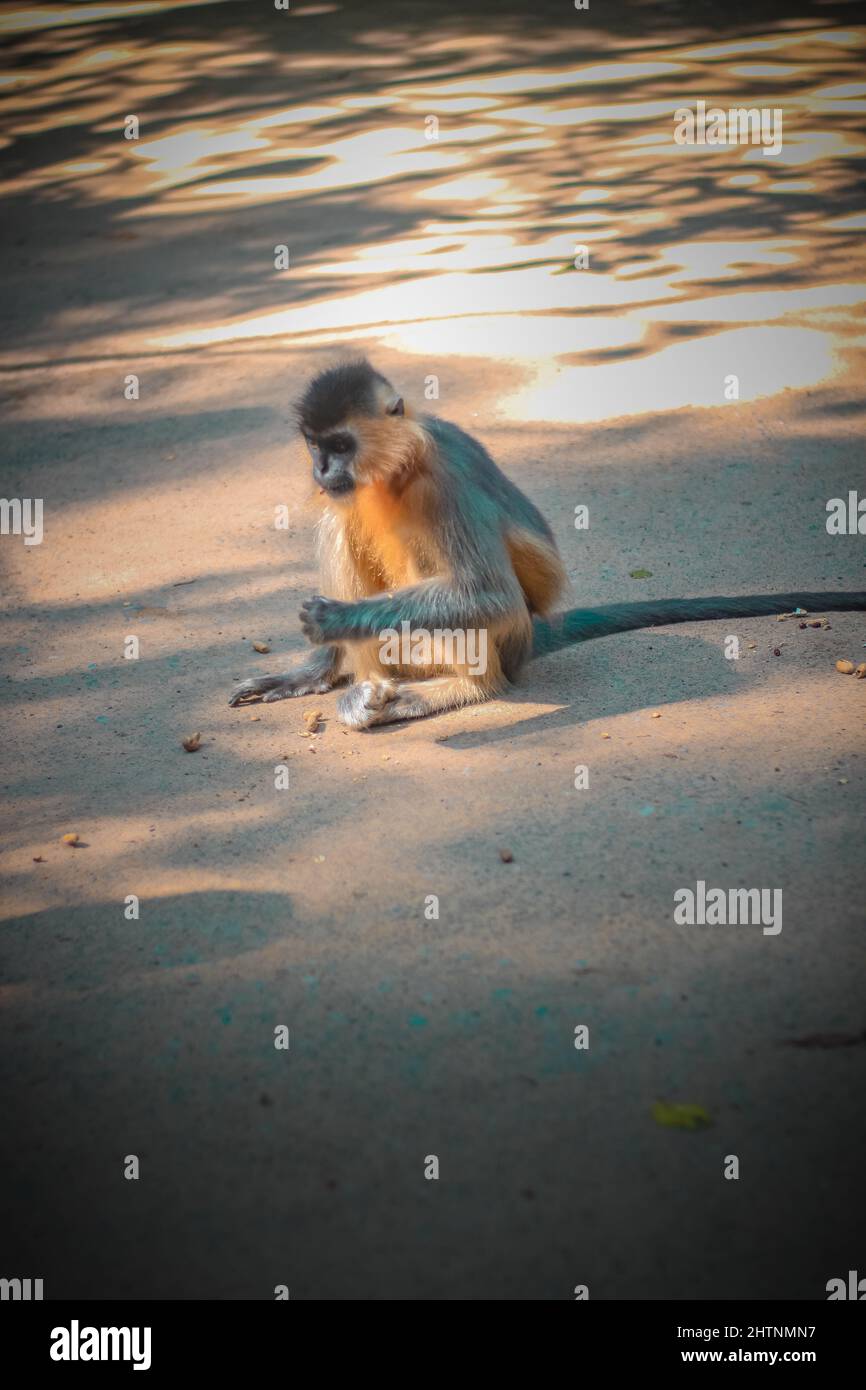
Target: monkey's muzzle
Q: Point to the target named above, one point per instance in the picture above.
(336, 485)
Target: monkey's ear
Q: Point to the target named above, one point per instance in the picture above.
(396, 407)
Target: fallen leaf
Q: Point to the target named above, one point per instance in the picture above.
(674, 1116)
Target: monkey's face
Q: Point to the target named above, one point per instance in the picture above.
(334, 455)
(353, 423)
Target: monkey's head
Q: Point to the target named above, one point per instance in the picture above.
(353, 422)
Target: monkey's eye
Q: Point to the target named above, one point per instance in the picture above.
(339, 444)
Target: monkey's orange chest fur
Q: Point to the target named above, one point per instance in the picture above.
(385, 538)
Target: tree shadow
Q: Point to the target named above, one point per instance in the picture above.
(84, 950)
(74, 228)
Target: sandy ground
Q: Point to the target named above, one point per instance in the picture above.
(305, 907)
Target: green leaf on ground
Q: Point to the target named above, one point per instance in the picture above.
(680, 1116)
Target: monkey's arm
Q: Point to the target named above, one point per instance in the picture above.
(477, 586)
(582, 624)
(436, 603)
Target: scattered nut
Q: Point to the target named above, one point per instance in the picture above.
(777, 651)
(846, 667)
(860, 671)
(506, 856)
(311, 719)
(193, 743)
(605, 735)
(37, 859)
(656, 714)
(261, 647)
(69, 839)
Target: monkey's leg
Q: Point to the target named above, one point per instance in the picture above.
(315, 676)
(362, 660)
(385, 702)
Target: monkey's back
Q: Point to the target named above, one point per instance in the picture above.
(493, 502)
(471, 464)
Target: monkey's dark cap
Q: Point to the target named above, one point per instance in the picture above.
(337, 393)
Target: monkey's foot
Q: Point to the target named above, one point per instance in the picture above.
(363, 703)
(377, 702)
(271, 688)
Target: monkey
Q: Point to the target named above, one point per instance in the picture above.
(420, 530)
(418, 527)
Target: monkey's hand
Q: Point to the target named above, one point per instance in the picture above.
(270, 688)
(316, 676)
(325, 620)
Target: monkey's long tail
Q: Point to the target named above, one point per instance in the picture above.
(582, 624)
